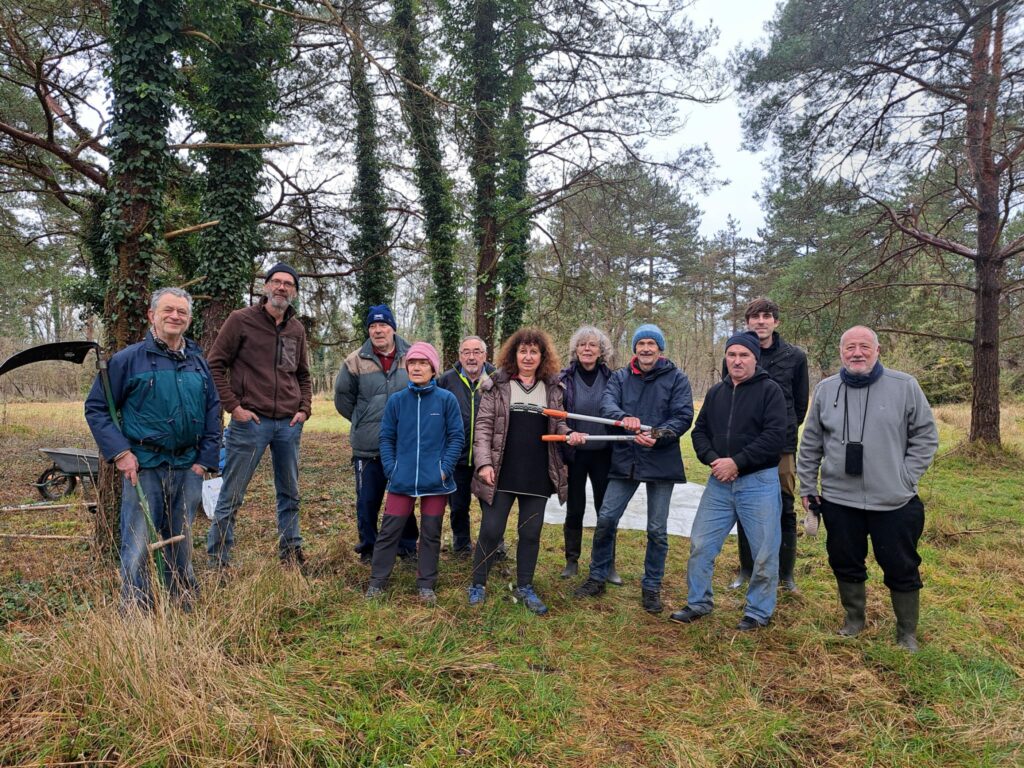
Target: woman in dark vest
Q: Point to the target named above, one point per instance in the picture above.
(512, 464)
(590, 354)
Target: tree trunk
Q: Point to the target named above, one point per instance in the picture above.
(985, 375)
(986, 61)
(484, 163)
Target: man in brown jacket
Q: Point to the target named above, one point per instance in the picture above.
(259, 365)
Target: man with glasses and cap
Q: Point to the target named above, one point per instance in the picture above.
(259, 364)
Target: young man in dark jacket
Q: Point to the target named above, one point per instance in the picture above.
(464, 382)
(259, 363)
(740, 433)
(652, 391)
(167, 439)
(787, 366)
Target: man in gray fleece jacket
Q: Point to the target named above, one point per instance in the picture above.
(870, 434)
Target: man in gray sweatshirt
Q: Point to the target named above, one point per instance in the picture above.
(870, 434)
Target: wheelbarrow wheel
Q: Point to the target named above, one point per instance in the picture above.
(54, 484)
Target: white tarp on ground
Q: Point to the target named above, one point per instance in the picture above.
(685, 499)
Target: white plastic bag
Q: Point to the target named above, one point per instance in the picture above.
(211, 491)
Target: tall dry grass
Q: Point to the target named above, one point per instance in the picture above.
(166, 688)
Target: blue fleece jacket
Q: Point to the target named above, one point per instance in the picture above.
(661, 398)
(421, 438)
(169, 409)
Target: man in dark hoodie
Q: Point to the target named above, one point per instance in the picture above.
(740, 433)
(652, 391)
(259, 364)
(787, 366)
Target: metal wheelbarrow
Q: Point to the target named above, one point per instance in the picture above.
(69, 465)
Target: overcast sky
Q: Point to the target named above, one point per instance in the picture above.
(738, 21)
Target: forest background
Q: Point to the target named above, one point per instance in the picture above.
(481, 164)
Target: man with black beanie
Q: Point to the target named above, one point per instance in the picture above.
(259, 363)
(739, 434)
(786, 364)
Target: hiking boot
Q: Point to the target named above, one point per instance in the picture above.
(613, 577)
(572, 568)
(463, 553)
(907, 607)
(366, 558)
(293, 557)
(529, 598)
(427, 596)
(589, 588)
(739, 580)
(650, 599)
(685, 616)
(373, 592)
(854, 597)
(477, 594)
(749, 623)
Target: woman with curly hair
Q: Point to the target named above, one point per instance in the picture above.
(512, 464)
(590, 353)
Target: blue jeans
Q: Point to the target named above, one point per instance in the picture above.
(173, 495)
(755, 500)
(246, 443)
(616, 497)
(371, 483)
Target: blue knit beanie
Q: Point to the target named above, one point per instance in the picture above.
(380, 314)
(747, 339)
(649, 331)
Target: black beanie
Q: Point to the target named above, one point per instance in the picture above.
(747, 339)
(282, 267)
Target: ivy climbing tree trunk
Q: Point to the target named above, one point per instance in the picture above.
(431, 179)
(232, 103)
(515, 221)
(487, 77)
(142, 78)
(375, 276)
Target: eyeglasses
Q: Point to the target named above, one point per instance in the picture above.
(281, 283)
(472, 352)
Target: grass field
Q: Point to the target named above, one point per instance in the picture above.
(276, 669)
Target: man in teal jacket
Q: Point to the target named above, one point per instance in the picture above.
(168, 438)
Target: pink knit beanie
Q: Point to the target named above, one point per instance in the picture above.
(423, 351)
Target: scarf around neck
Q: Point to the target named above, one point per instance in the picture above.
(860, 380)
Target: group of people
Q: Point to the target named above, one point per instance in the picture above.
(516, 432)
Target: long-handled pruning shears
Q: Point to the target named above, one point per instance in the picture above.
(76, 352)
(556, 414)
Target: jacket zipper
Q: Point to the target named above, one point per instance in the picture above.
(416, 483)
(277, 361)
(728, 428)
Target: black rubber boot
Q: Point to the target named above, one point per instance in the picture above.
(907, 607)
(787, 549)
(854, 597)
(573, 544)
(746, 560)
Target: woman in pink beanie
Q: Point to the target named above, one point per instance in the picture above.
(421, 439)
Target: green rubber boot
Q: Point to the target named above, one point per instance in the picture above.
(854, 597)
(907, 607)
